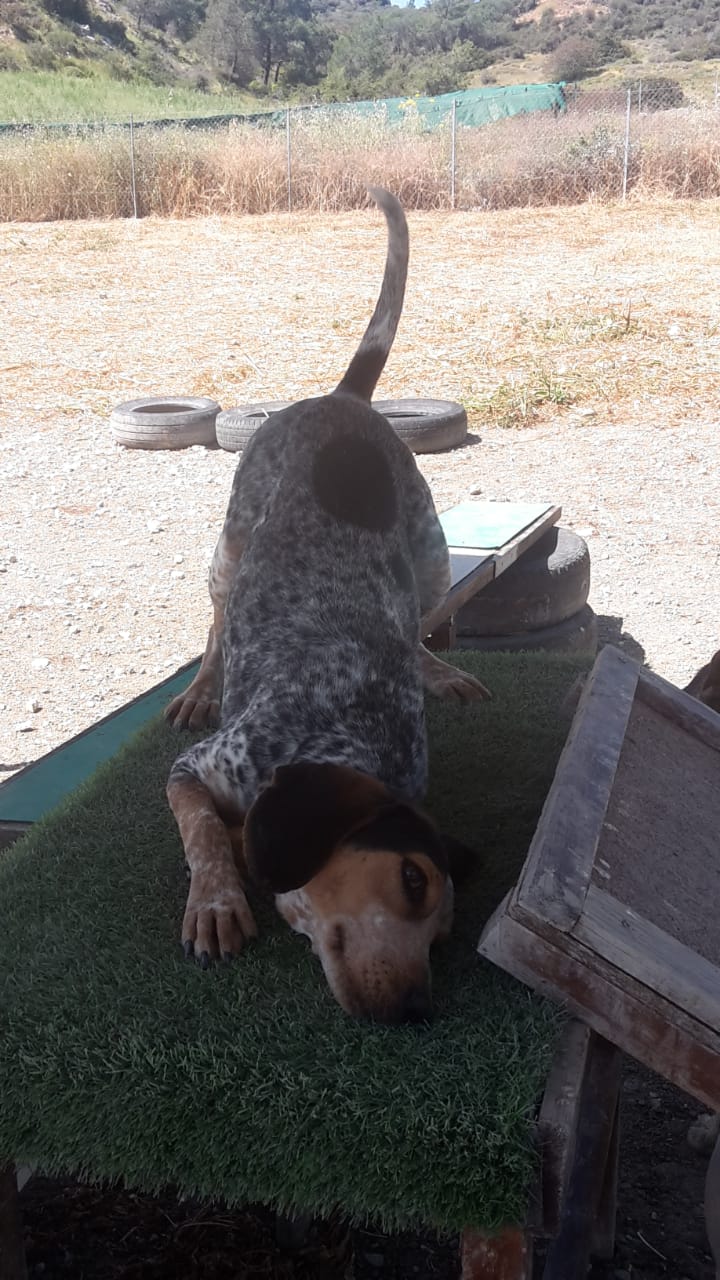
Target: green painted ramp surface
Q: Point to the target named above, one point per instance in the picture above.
(36, 790)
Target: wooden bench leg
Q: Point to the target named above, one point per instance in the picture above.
(603, 1244)
(712, 1206)
(591, 1176)
(505, 1256)
(443, 637)
(12, 1245)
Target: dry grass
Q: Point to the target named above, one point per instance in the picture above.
(526, 316)
(528, 161)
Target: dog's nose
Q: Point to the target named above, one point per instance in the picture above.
(415, 1006)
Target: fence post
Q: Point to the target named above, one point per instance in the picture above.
(132, 166)
(626, 158)
(453, 143)
(289, 159)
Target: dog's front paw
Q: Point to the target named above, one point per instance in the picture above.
(196, 708)
(218, 920)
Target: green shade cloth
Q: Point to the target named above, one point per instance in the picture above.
(473, 107)
(120, 1060)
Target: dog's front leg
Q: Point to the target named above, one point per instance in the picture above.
(218, 920)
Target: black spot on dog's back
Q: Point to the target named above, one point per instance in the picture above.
(353, 482)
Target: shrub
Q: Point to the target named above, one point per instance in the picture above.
(70, 10)
(659, 93)
(573, 58)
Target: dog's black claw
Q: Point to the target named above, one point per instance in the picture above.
(204, 960)
(188, 949)
(227, 956)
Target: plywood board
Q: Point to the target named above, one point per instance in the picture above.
(489, 524)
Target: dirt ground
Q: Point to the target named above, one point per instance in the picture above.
(585, 344)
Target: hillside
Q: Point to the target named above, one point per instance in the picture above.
(82, 58)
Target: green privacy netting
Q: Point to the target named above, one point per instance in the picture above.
(473, 107)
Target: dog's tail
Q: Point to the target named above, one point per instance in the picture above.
(369, 360)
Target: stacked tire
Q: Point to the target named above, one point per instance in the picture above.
(539, 603)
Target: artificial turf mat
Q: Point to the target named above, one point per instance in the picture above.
(120, 1060)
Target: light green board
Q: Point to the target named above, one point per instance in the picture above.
(489, 525)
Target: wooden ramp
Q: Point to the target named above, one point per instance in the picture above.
(616, 910)
(616, 913)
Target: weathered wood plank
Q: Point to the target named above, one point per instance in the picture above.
(568, 1255)
(618, 1007)
(508, 554)
(603, 1242)
(555, 879)
(712, 1206)
(459, 595)
(443, 638)
(647, 953)
(12, 1247)
(680, 707)
(557, 1123)
(505, 1256)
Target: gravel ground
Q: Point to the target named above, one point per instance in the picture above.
(104, 551)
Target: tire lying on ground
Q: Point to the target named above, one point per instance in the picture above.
(165, 422)
(235, 428)
(547, 584)
(577, 634)
(425, 425)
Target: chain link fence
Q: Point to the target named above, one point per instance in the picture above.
(643, 138)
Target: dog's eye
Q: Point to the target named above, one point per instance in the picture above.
(414, 881)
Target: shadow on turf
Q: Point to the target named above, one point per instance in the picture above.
(610, 631)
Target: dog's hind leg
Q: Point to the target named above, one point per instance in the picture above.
(431, 566)
(448, 682)
(198, 707)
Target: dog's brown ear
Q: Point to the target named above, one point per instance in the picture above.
(299, 819)
(462, 860)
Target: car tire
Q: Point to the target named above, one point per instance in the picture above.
(547, 584)
(426, 426)
(577, 634)
(165, 422)
(235, 428)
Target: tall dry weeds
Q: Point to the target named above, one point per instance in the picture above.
(533, 160)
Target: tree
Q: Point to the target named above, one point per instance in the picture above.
(228, 39)
(276, 25)
(573, 58)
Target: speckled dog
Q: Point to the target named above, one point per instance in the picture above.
(330, 555)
